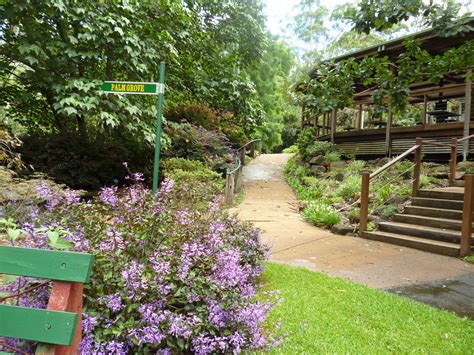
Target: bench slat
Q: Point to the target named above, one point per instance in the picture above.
(46, 264)
(40, 325)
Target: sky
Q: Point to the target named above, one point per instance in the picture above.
(280, 12)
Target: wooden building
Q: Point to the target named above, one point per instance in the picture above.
(365, 136)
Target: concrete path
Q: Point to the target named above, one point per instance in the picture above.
(272, 206)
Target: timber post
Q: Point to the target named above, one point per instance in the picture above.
(417, 167)
(364, 203)
(229, 189)
(466, 229)
(388, 131)
(467, 114)
(453, 161)
(242, 153)
(333, 124)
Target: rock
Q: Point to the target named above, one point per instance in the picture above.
(398, 200)
(15, 189)
(317, 170)
(342, 229)
(339, 176)
(338, 165)
(431, 164)
(440, 174)
(317, 160)
(459, 175)
(383, 161)
(302, 205)
(375, 219)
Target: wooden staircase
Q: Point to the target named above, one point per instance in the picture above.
(432, 222)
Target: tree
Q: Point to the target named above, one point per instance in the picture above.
(58, 53)
(381, 15)
(272, 82)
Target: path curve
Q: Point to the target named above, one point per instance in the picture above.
(271, 205)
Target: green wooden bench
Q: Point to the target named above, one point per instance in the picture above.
(58, 328)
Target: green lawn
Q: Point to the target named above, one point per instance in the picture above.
(322, 314)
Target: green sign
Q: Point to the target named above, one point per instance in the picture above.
(126, 87)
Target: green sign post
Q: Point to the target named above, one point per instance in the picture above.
(139, 88)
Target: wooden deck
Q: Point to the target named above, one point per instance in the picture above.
(372, 142)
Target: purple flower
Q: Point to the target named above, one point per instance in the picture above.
(114, 302)
(87, 345)
(183, 216)
(109, 195)
(215, 204)
(166, 187)
(134, 279)
(160, 266)
(88, 323)
(227, 270)
(217, 316)
(115, 347)
(52, 199)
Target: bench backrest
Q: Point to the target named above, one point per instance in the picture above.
(45, 325)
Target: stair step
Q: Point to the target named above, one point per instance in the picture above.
(446, 195)
(459, 183)
(437, 203)
(433, 246)
(428, 221)
(445, 235)
(433, 212)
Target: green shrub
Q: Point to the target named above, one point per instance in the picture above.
(384, 192)
(195, 177)
(197, 114)
(310, 181)
(8, 144)
(301, 172)
(196, 143)
(319, 148)
(404, 167)
(349, 187)
(332, 157)
(321, 214)
(354, 215)
(165, 279)
(86, 163)
(355, 167)
(371, 226)
(305, 139)
(184, 164)
(388, 211)
(291, 149)
(404, 190)
(424, 181)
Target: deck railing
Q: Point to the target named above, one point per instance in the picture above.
(233, 181)
(417, 150)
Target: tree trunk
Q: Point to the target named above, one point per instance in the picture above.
(81, 125)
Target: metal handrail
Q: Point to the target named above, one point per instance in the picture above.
(239, 164)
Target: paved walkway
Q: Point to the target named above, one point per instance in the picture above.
(271, 205)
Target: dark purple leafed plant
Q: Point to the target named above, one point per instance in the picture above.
(169, 276)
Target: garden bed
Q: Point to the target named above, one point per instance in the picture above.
(328, 186)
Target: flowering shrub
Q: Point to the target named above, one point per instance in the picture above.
(196, 143)
(166, 277)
